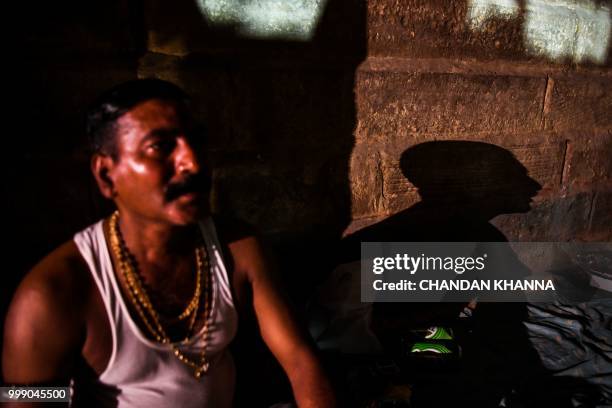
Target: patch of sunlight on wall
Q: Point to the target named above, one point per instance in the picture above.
(479, 11)
(267, 19)
(557, 29)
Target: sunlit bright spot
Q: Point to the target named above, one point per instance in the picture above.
(557, 29)
(266, 19)
(580, 31)
(596, 23)
(479, 11)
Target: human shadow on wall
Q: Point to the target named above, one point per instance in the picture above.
(462, 185)
(280, 116)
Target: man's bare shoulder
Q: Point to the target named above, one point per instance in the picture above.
(55, 287)
(45, 322)
(250, 255)
(231, 229)
(62, 275)
(250, 258)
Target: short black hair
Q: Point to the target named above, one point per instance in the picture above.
(103, 113)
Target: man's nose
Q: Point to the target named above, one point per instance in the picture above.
(535, 185)
(186, 158)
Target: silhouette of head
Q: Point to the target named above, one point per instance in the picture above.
(474, 176)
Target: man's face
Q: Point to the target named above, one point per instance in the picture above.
(158, 174)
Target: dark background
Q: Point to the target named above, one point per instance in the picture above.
(306, 136)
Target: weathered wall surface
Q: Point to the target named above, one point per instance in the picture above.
(532, 77)
(307, 131)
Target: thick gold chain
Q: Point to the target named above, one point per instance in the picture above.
(144, 307)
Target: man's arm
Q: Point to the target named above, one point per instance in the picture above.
(279, 329)
(43, 332)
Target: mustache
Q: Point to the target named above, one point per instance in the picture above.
(196, 183)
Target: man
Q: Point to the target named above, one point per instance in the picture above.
(139, 308)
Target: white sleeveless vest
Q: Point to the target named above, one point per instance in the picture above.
(143, 373)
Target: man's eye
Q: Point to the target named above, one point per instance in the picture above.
(161, 146)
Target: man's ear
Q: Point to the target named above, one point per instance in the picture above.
(101, 166)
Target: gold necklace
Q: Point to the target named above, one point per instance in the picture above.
(144, 307)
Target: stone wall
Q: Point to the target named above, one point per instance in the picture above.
(489, 71)
(307, 132)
